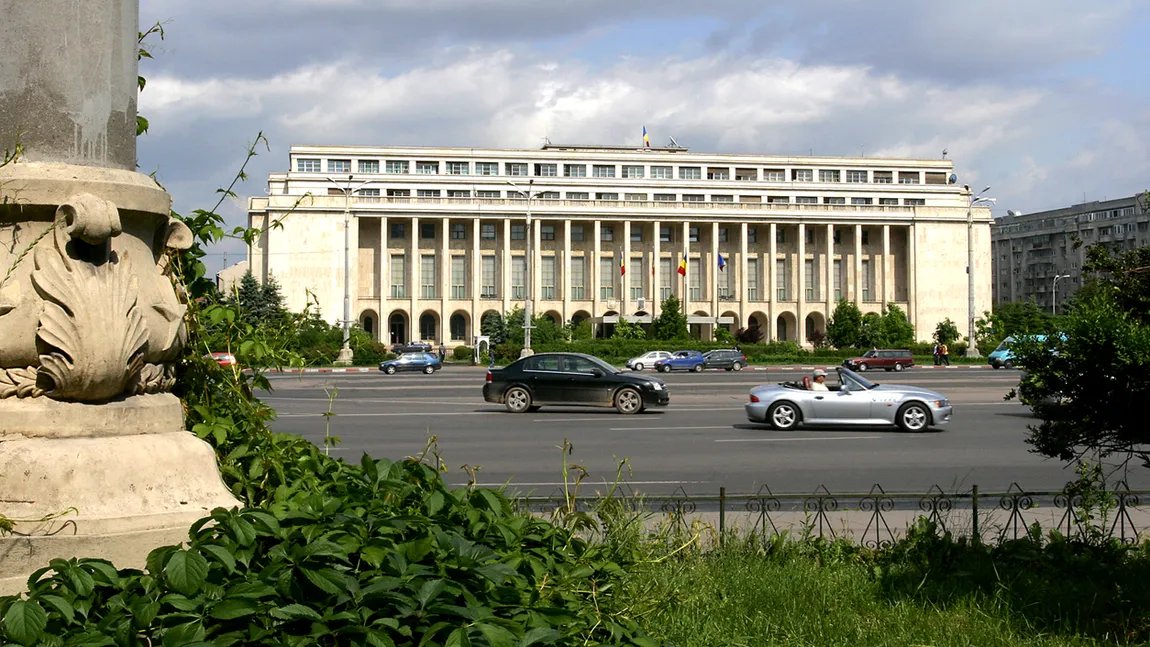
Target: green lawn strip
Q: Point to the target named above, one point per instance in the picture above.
(742, 598)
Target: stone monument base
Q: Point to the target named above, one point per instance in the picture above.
(115, 497)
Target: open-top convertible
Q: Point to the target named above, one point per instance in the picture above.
(853, 401)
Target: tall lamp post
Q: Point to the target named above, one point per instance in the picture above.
(345, 354)
(527, 298)
(1054, 297)
(971, 347)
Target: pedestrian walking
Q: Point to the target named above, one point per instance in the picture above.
(934, 352)
(442, 351)
(944, 353)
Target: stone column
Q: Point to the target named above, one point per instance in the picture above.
(772, 278)
(443, 283)
(857, 272)
(686, 280)
(504, 267)
(742, 277)
(414, 262)
(713, 281)
(656, 264)
(384, 281)
(565, 271)
(800, 280)
(475, 281)
(593, 271)
(91, 328)
(624, 278)
(912, 282)
(828, 275)
(887, 266)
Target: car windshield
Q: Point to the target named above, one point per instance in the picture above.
(607, 368)
(870, 353)
(853, 380)
(1005, 345)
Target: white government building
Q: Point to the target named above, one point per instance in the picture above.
(438, 237)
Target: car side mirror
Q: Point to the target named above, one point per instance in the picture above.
(597, 372)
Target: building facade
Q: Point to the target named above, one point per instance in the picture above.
(439, 237)
(1031, 250)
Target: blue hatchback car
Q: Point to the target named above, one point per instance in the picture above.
(682, 360)
(425, 362)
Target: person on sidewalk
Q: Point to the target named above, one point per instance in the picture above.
(934, 352)
(944, 353)
(442, 351)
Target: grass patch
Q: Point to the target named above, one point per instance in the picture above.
(744, 596)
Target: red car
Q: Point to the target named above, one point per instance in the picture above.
(223, 359)
(889, 360)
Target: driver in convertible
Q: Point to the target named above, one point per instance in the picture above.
(819, 383)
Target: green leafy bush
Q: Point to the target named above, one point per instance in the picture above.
(463, 353)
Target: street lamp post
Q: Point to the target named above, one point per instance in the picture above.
(971, 347)
(527, 297)
(345, 354)
(1054, 296)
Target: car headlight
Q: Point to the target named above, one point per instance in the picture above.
(942, 403)
(656, 386)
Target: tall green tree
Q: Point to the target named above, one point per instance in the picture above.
(897, 331)
(946, 332)
(627, 330)
(671, 324)
(261, 305)
(845, 326)
(493, 326)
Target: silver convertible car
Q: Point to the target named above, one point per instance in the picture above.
(853, 401)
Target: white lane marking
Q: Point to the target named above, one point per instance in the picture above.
(664, 428)
(787, 440)
(395, 414)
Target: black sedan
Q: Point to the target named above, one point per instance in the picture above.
(571, 379)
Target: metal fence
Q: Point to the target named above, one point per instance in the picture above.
(878, 518)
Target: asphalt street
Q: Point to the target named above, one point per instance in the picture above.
(698, 443)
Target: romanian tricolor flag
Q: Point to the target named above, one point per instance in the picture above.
(622, 265)
(646, 139)
(683, 266)
(722, 262)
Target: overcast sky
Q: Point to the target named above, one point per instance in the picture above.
(1048, 101)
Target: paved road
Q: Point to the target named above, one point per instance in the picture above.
(701, 441)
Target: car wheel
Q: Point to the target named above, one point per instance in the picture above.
(887, 370)
(862, 367)
(517, 399)
(637, 367)
(628, 401)
(898, 367)
(995, 366)
(390, 370)
(1008, 364)
(698, 368)
(913, 417)
(783, 416)
(664, 369)
(429, 369)
(737, 367)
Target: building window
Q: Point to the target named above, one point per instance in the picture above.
(666, 278)
(606, 233)
(603, 170)
(865, 237)
(692, 197)
(547, 278)
(752, 235)
(549, 195)
(802, 175)
(515, 168)
(664, 197)
(867, 281)
(774, 175)
(828, 175)
(914, 202)
(718, 173)
(722, 198)
(427, 193)
(695, 281)
(369, 193)
(578, 195)
(746, 174)
(458, 277)
(888, 202)
(518, 276)
(635, 269)
(307, 165)
(487, 231)
(724, 235)
(398, 276)
(606, 279)
(856, 177)
(547, 232)
(395, 167)
(459, 168)
(723, 281)
(339, 166)
(834, 200)
(427, 230)
(780, 236)
(811, 278)
(518, 232)
(862, 201)
(487, 168)
(397, 230)
(781, 279)
(693, 234)
(661, 173)
(837, 237)
(577, 233)
(752, 279)
(458, 231)
(399, 193)
(637, 233)
(606, 196)
(427, 168)
(666, 233)
(574, 170)
(935, 178)
(809, 236)
(458, 327)
(578, 268)
(908, 177)
(487, 291)
(806, 199)
(883, 177)
(546, 170)
(838, 279)
(690, 173)
(635, 197)
(458, 193)
(778, 199)
(632, 172)
(369, 166)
